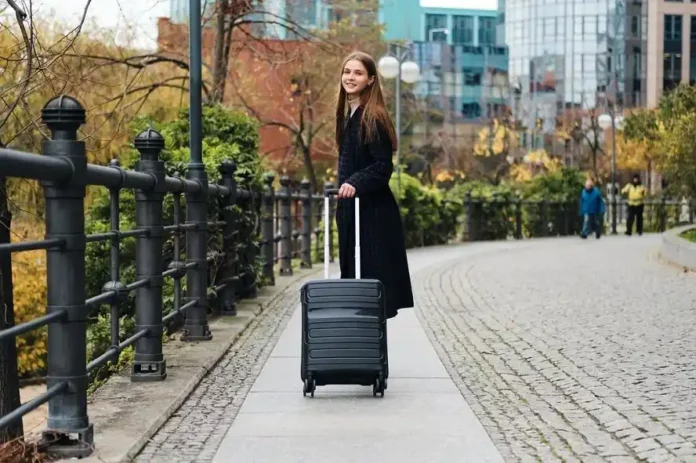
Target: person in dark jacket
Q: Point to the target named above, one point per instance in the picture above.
(366, 139)
(591, 209)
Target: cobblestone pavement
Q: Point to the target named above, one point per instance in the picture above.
(570, 350)
(566, 350)
(196, 430)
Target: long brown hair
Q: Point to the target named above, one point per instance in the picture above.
(371, 99)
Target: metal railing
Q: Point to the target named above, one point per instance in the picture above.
(507, 217)
(65, 174)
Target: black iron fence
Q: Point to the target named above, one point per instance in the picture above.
(285, 222)
(202, 232)
(660, 213)
(499, 218)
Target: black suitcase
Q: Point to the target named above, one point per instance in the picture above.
(344, 335)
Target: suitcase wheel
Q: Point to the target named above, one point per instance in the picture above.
(310, 385)
(379, 386)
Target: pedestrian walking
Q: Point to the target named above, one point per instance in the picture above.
(366, 139)
(636, 194)
(592, 208)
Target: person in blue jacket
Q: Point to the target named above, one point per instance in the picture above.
(591, 209)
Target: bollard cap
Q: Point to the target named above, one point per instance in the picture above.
(149, 143)
(114, 163)
(63, 112)
(305, 184)
(227, 167)
(285, 180)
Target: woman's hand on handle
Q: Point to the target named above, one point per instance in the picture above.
(346, 191)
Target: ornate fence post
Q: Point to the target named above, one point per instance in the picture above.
(228, 274)
(518, 217)
(493, 217)
(285, 227)
(545, 217)
(469, 217)
(69, 433)
(267, 228)
(196, 327)
(663, 214)
(306, 250)
(149, 363)
(332, 202)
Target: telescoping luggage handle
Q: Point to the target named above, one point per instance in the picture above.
(327, 206)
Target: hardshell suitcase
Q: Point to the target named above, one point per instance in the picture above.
(344, 336)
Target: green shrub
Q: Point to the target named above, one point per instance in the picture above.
(486, 212)
(228, 135)
(428, 218)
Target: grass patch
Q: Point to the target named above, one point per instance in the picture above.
(689, 235)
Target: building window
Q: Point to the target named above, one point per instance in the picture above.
(471, 110)
(486, 31)
(435, 21)
(303, 12)
(673, 27)
(671, 67)
(463, 30)
(472, 76)
(672, 58)
(635, 26)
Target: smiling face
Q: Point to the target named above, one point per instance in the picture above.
(355, 77)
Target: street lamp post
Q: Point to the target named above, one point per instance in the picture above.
(606, 121)
(195, 82)
(390, 67)
(196, 328)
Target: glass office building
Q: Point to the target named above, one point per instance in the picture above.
(463, 68)
(467, 82)
(307, 13)
(570, 54)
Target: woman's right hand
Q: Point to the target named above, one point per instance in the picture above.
(346, 191)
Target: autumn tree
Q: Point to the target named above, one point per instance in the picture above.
(582, 135)
(494, 147)
(638, 146)
(668, 132)
(298, 96)
(40, 61)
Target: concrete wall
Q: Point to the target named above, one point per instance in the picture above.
(677, 250)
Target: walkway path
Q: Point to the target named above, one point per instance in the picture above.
(548, 350)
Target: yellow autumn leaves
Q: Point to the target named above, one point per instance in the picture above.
(29, 278)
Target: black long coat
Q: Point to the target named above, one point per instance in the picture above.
(368, 167)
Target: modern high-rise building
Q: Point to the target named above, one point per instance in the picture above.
(305, 13)
(672, 46)
(570, 54)
(463, 70)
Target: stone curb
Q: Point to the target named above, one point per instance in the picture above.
(119, 409)
(678, 251)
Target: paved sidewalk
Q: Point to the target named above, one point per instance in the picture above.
(422, 417)
(553, 350)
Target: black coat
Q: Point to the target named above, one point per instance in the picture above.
(368, 167)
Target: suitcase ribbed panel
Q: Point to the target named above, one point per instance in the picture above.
(343, 331)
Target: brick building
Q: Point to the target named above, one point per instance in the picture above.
(265, 69)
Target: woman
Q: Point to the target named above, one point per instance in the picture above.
(366, 139)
